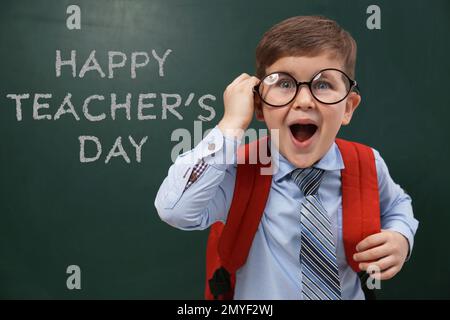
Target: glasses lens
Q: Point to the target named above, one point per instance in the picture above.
(330, 86)
(277, 89)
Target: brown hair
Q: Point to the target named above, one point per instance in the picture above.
(305, 36)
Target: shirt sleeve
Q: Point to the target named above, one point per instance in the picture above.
(199, 186)
(395, 205)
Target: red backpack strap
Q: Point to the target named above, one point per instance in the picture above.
(213, 264)
(228, 246)
(249, 201)
(360, 197)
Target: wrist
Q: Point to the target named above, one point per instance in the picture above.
(232, 129)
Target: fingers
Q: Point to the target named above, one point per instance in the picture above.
(382, 264)
(386, 274)
(390, 273)
(239, 79)
(372, 254)
(383, 253)
(371, 241)
(245, 80)
(239, 103)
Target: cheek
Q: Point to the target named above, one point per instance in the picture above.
(273, 117)
(332, 117)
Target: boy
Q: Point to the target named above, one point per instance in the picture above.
(304, 89)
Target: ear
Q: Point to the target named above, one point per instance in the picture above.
(258, 108)
(351, 104)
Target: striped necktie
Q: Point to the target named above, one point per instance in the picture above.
(320, 275)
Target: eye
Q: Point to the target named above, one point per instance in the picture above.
(322, 85)
(286, 84)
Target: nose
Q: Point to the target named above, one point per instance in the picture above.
(304, 98)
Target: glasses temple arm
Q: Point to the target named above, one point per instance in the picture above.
(356, 87)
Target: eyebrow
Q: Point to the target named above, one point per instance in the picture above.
(293, 74)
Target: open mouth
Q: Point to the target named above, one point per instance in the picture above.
(303, 132)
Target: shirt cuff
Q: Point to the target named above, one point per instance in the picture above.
(217, 150)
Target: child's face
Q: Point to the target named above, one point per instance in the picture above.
(300, 144)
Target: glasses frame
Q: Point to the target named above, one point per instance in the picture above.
(353, 87)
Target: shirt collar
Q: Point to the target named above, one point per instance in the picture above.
(332, 160)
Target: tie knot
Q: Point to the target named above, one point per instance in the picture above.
(308, 179)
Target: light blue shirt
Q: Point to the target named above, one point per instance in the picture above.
(273, 269)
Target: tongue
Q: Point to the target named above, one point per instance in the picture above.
(303, 132)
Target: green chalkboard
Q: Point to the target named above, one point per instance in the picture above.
(59, 208)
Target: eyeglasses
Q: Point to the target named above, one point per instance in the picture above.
(328, 86)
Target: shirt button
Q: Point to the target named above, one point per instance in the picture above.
(211, 146)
